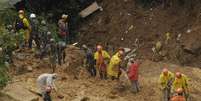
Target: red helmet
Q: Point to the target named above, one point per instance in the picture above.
(178, 74)
(165, 70)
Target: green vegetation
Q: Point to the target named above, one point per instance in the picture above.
(7, 44)
(4, 78)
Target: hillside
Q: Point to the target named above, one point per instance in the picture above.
(122, 21)
(120, 24)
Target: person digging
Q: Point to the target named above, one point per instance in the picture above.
(46, 84)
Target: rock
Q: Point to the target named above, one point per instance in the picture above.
(20, 56)
(29, 69)
(188, 31)
(19, 93)
(131, 27)
(178, 37)
(35, 65)
(127, 50)
(101, 8)
(85, 99)
(7, 64)
(122, 39)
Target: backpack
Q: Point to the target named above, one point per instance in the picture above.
(19, 24)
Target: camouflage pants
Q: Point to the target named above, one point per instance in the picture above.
(166, 94)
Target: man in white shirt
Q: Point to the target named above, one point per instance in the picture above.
(46, 80)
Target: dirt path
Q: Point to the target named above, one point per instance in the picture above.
(104, 90)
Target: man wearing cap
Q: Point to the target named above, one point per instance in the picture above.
(165, 81)
(181, 81)
(63, 28)
(101, 57)
(113, 69)
(46, 80)
(133, 75)
(178, 96)
(34, 32)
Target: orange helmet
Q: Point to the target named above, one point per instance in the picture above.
(179, 90)
(178, 74)
(99, 47)
(165, 71)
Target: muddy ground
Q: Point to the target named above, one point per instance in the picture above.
(86, 88)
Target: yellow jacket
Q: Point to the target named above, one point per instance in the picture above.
(164, 80)
(25, 21)
(180, 83)
(104, 54)
(113, 68)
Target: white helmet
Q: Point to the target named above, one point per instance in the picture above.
(64, 16)
(32, 15)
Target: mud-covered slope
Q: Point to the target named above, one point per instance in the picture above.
(122, 21)
(86, 87)
(106, 90)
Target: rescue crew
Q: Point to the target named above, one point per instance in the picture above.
(63, 28)
(181, 81)
(34, 32)
(133, 75)
(101, 56)
(46, 83)
(165, 81)
(22, 25)
(113, 70)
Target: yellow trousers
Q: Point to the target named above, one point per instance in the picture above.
(27, 35)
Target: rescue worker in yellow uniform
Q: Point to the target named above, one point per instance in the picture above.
(24, 26)
(101, 57)
(181, 81)
(113, 70)
(165, 81)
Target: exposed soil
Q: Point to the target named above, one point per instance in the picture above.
(86, 88)
(122, 21)
(118, 25)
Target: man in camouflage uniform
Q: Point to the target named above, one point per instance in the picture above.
(53, 54)
(61, 52)
(45, 44)
(34, 33)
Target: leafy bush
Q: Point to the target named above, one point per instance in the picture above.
(7, 43)
(4, 78)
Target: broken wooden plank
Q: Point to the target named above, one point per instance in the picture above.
(89, 10)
